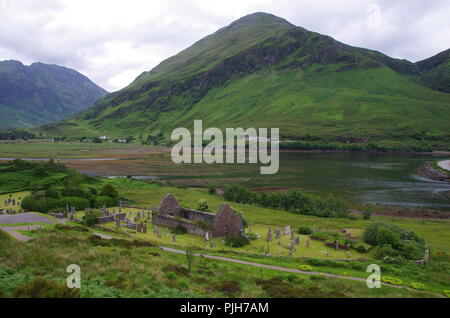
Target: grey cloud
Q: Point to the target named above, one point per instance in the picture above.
(411, 29)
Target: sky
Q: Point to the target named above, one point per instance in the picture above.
(112, 41)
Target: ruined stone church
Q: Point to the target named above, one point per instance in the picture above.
(171, 214)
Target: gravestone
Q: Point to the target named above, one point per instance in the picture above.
(308, 243)
(144, 227)
(292, 235)
(206, 237)
(327, 254)
(278, 234)
(269, 235)
(117, 223)
(287, 230)
(297, 240)
(174, 238)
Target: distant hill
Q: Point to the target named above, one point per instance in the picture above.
(262, 71)
(40, 93)
(435, 71)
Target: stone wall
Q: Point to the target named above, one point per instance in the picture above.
(198, 215)
(172, 222)
(105, 219)
(227, 222)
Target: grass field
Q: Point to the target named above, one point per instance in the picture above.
(120, 269)
(17, 196)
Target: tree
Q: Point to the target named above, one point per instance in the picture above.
(109, 191)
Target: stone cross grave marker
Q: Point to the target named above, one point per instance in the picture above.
(269, 235)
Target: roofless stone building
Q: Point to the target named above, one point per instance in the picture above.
(171, 214)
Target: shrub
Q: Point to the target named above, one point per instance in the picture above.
(236, 240)
(394, 241)
(78, 203)
(43, 288)
(212, 189)
(447, 293)
(239, 194)
(104, 200)
(179, 230)
(91, 217)
(367, 214)
(171, 275)
(75, 192)
(203, 206)
(229, 288)
(418, 286)
(305, 268)
(109, 191)
(305, 230)
(392, 280)
(53, 193)
(361, 248)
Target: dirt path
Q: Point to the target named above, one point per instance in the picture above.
(13, 231)
(284, 269)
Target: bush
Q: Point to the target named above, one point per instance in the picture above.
(394, 241)
(203, 206)
(447, 293)
(43, 288)
(78, 203)
(179, 230)
(361, 248)
(75, 192)
(418, 286)
(305, 268)
(236, 240)
(305, 230)
(53, 193)
(212, 189)
(367, 214)
(392, 280)
(91, 217)
(109, 191)
(239, 194)
(104, 200)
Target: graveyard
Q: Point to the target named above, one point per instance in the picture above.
(10, 203)
(131, 238)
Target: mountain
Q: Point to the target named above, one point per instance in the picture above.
(40, 93)
(262, 71)
(435, 71)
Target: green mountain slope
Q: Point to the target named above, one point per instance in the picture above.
(39, 93)
(262, 71)
(435, 71)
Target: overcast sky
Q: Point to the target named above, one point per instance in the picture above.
(113, 41)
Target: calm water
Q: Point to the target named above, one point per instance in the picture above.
(385, 179)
